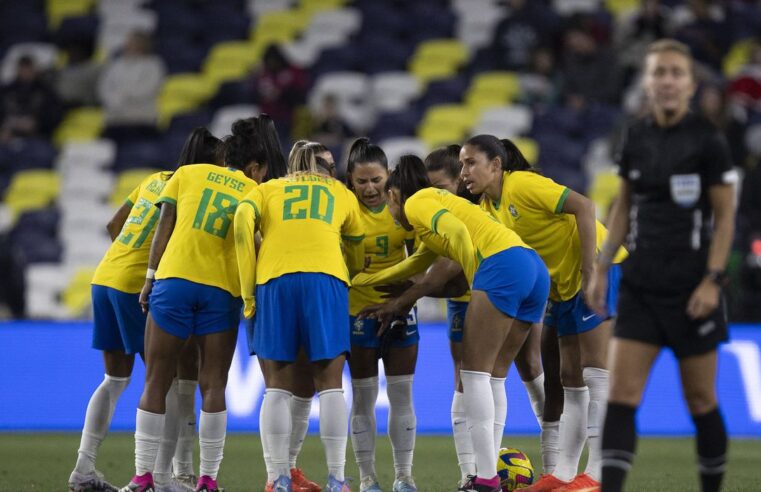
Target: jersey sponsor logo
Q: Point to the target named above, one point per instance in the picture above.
(359, 326)
(685, 189)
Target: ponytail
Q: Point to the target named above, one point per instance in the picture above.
(510, 156)
(304, 160)
(364, 151)
(409, 176)
(201, 147)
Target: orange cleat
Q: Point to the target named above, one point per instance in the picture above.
(301, 483)
(268, 487)
(547, 483)
(581, 483)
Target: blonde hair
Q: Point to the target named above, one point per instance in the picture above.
(303, 159)
(668, 45)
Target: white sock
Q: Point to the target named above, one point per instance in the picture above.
(300, 408)
(186, 401)
(548, 443)
(149, 427)
(333, 421)
(463, 444)
(500, 410)
(271, 475)
(479, 409)
(97, 420)
(535, 390)
(162, 471)
(596, 380)
(363, 424)
(573, 432)
(401, 423)
(212, 429)
(276, 429)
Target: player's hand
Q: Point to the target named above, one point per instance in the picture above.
(704, 300)
(145, 294)
(249, 308)
(392, 291)
(383, 313)
(596, 293)
(368, 260)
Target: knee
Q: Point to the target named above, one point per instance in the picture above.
(529, 369)
(699, 400)
(571, 376)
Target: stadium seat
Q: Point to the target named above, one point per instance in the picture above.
(351, 88)
(256, 8)
(477, 21)
(182, 93)
(444, 91)
(567, 8)
(529, 148)
(231, 60)
(499, 87)
(57, 10)
(438, 59)
(278, 26)
(738, 56)
(79, 125)
(225, 117)
(506, 121)
(85, 182)
(44, 55)
(603, 190)
(395, 124)
(76, 295)
(393, 91)
(446, 124)
(345, 20)
(117, 25)
(128, 181)
(93, 154)
(32, 190)
(397, 147)
(44, 283)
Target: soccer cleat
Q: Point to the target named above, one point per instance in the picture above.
(207, 484)
(404, 484)
(89, 482)
(301, 483)
(547, 483)
(336, 485)
(476, 484)
(140, 483)
(581, 482)
(186, 479)
(369, 484)
(281, 484)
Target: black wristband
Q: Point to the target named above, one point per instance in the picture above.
(718, 277)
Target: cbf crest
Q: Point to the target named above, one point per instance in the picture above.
(513, 211)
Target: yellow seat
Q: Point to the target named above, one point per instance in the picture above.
(528, 147)
(437, 136)
(80, 125)
(183, 92)
(484, 100)
(315, 6)
(738, 56)
(621, 7)
(76, 296)
(230, 60)
(446, 123)
(444, 50)
(32, 190)
(428, 70)
(503, 86)
(126, 182)
(604, 190)
(58, 10)
(279, 26)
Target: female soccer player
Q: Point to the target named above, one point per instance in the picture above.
(119, 323)
(560, 225)
(386, 243)
(302, 294)
(509, 286)
(676, 202)
(195, 291)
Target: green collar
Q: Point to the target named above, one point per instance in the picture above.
(375, 210)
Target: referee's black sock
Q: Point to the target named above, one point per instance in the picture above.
(712, 449)
(619, 439)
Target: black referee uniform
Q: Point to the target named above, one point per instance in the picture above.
(670, 170)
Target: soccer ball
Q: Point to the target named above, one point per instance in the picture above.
(514, 469)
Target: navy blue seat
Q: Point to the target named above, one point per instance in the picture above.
(36, 247)
(232, 92)
(77, 29)
(444, 92)
(43, 221)
(142, 153)
(186, 122)
(401, 123)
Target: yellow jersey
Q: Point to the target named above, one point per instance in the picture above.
(202, 247)
(430, 208)
(124, 265)
(385, 242)
(532, 206)
(303, 219)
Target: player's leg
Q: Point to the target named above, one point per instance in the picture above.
(275, 418)
(698, 375)
(462, 443)
(553, 398)
(328, 383)
(399, 365)
(301, 407)
(528, 362)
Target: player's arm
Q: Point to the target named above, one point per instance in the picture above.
(114, 226)
(164, 230)
(583, 209)
(417, 263)
(458, 243)
(244, 225)
(354, 250)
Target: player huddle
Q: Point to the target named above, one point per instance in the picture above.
(308, 259)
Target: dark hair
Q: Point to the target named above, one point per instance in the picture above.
(201, 147)
(255, 139)
(445, 159)
(409, 176)
(364, 151)
(505, 149)
(322, 163)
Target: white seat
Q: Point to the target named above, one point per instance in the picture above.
(346, 20)
(98, 153)
(115, 7)
(393, 91)
(567, 8)
(81, 182)
(399, 146)
(351, 89)
(44, 283)
(85, 254)
(114, 29)
(505, 121)
(225, 117)
(43, 54)
(257, 7)
(322, 40)
(300, 53)
(477, 32)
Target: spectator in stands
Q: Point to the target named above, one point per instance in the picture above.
(280, 87)
(527, 26)
(712, 104)
(590, 72)
(745, 88)
(128, 88)
(703, 27)
(28, 105)
(329, 127)
(77, 82)
(540, 85)
(638, 30)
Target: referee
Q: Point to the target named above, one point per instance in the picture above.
(676, 203)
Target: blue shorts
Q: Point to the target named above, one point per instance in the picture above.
(309, 310)
(119, 322)
(456, 317)
(516, 282)
(363, 332)
(183, 308)
(573, 316)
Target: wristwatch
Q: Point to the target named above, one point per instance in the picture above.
(718, 277)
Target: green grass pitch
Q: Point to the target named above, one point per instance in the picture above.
(42, 462)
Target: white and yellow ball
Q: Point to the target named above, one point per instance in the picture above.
(514, 469)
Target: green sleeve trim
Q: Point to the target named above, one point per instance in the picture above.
(479, 256)
(256, 209)
(166, 199)
(129, 202)
(561, 201)
(353, 238)
(435, 219)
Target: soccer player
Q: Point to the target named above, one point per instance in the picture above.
(509, 288)
(119, 323)
(560, 225)
(676, 203)
(301, 283)
(386, 243)
(192, 288)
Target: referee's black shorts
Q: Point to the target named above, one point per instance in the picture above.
(661, 319)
